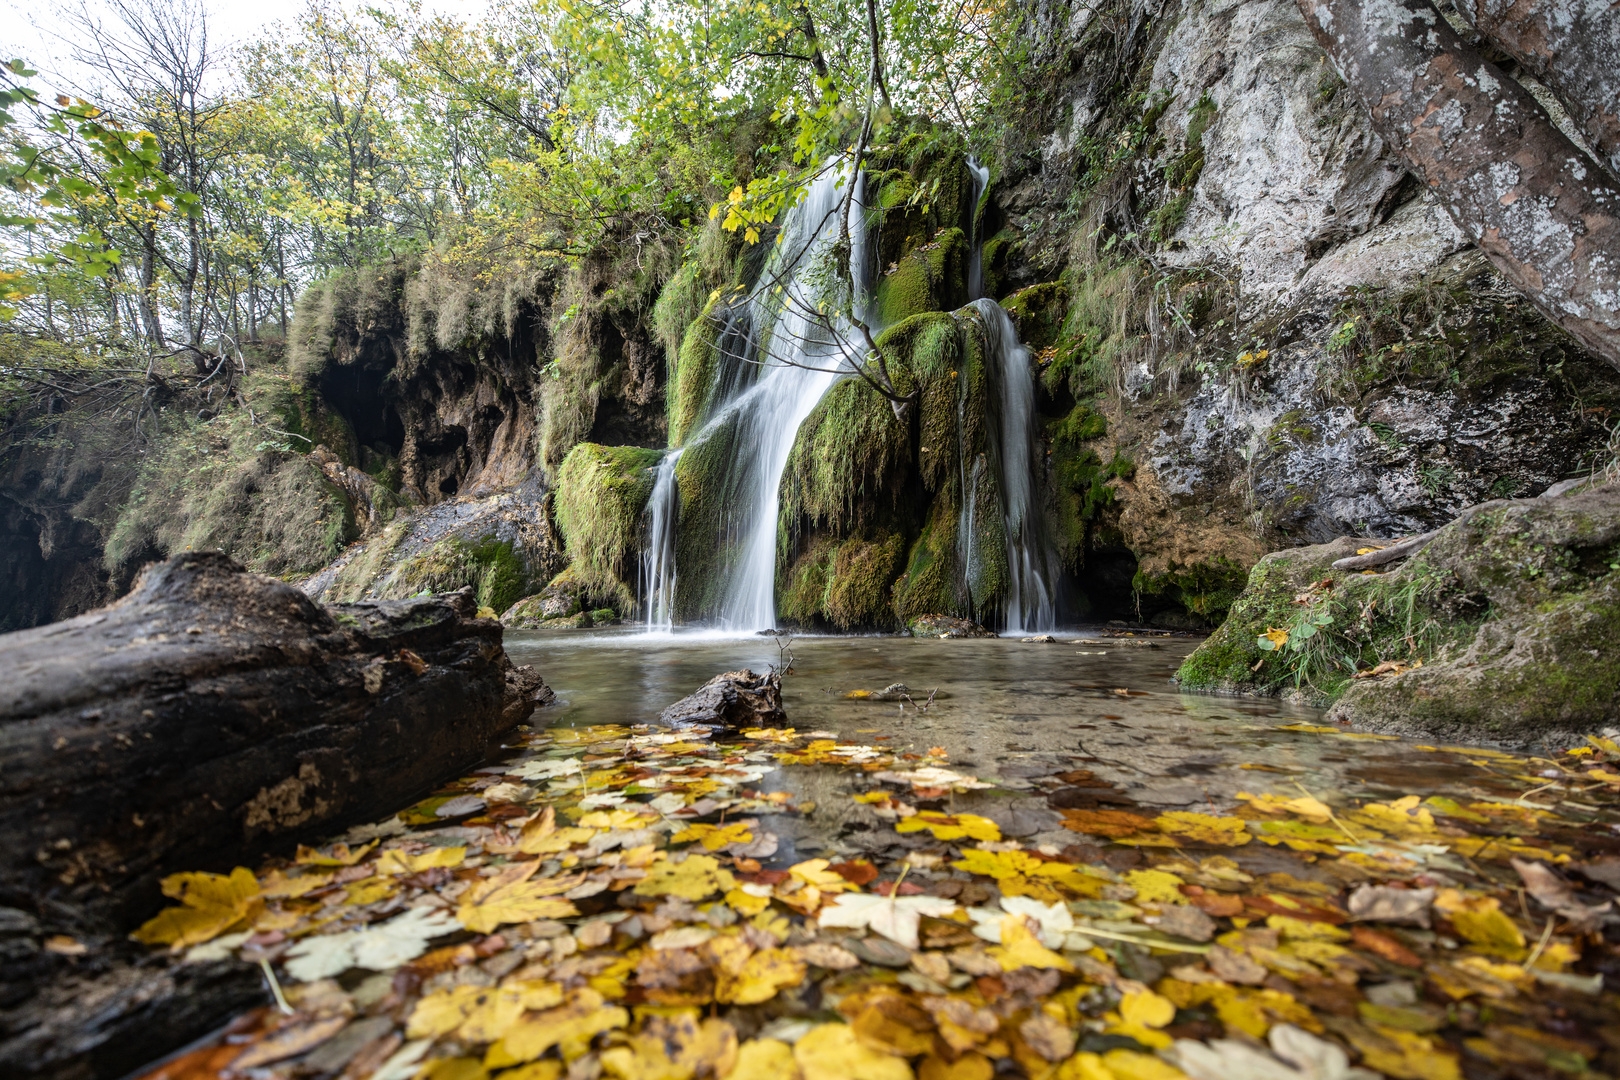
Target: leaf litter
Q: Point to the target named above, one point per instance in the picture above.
(618, 905)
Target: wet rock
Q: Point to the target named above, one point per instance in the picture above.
(563, 598)
(1514, 614)
(892, 692)
(1043, 639)
(736, 699)
(948, 626)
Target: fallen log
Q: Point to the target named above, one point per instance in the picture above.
(1386, 555)
(209, 717)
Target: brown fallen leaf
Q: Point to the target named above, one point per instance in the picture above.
(1384, 903)
(1235, 967)
(824, 954)
(1553, 892)
(288, 1041)
(1384, 945)
(1048, 1037)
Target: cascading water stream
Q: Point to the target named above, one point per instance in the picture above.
(658, 559)
(975, 274)
(1015, 457)
(797, 361)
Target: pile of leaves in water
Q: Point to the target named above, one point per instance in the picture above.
(615, 904)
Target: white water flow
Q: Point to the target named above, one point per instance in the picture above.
(797, 360)
(658, 559)
(801, 361)
(1016, 458)
(975, 281)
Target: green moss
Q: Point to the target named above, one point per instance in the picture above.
(1038, 312)
(1100, 333)
(801, 598)
(846, 584)
(929, 278)
(1181, 175)
(232, 486)
(994, 257)
(492, 568)
(932, 580)
(1207, 590)
(1080, 479)
(601, 494)
(1451, 336)
(849, 462)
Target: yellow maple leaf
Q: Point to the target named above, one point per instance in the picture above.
(395, 861)
(1482, 922)
(210, 905)
(759, 977)
(1020, 948)
(1305, 806)
(831, 1052)
(714, 837)
(341, 855)
(998, 864)
(582, 1016)
(1155, 886)
(276, 883)
(509, 897)
(479, 1014)
(617, 818)
(1125, 1064)
(695, 877)
(1205, 829)
(950, 826)
(1146, 1008)
(765, 1059)
(746, 903)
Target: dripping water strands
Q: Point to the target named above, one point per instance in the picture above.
(975, 273)
(658, 558)
(1014, 455)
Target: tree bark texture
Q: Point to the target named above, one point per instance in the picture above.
(1544, 214)
(213, 714)
(1571, 45)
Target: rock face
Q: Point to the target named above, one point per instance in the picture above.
(213, 714)
(1308, 346)
(1513, 610)
(736, 699)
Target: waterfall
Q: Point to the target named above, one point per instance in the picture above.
(1016, 458)
(975, 274)
(658, 558)
(796, 361)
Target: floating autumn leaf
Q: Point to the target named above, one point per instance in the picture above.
(479, 1014)
(714, 837)
(1204, 829)
(951, 826)
(509, 897)
(584, 1015)
(1110, 823)
(278, 884)
(396, 862)
(1304, 806)
(340, 855)
(832, 1052)
(757, 978)
(210, 904)
(694, 878)
(895, 917)
(382, 947)
(1481, 921)
(765, 1059)
(1020, 948)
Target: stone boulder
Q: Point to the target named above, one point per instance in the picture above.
(1504, 628)
(734, 700)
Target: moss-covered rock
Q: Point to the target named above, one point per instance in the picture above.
(931, 277)
(602, 492)
(1513, 611)
(564, 596)
(1203, 592)
(1038, 313)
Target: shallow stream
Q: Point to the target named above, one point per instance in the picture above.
(1007, 710)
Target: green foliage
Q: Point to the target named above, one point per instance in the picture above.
(602, 492)
(1039, 312)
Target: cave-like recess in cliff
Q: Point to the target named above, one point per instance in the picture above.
(356, 392)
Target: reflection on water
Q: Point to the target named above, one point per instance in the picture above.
(1005, 709)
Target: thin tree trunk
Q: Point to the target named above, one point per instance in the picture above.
(1543, 213)
(1574, 47)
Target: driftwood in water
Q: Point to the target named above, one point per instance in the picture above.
(206, 718)
(734, 700)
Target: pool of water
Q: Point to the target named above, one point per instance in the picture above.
(1005, 709)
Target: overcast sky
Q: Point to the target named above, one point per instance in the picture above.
(34, 30)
